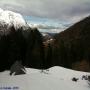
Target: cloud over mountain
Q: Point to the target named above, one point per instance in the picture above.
(57, 9)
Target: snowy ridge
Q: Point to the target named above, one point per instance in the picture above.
(9, 18)
(59, 72)
(64, 73)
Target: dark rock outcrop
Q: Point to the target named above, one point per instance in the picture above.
(17, 69)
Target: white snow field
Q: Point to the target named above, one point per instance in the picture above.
(55, 78)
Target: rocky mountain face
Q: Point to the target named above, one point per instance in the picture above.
(19, 42)
(76, 44)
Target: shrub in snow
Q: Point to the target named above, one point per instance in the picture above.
(89, 80)
(75, 79)
(46, 71)
(85, 77)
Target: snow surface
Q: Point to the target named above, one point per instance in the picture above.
(55, 78)
(9, 18)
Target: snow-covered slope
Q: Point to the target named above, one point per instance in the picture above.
(9, 18)
(56, 78)
(65, 74)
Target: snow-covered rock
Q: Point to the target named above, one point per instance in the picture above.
(9, 18)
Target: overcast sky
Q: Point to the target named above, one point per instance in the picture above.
(56, 9)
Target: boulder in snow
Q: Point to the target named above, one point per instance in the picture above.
(17, 69)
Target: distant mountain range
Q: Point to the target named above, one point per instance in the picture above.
(47, 25)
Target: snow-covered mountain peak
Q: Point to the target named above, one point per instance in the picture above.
(9, 18)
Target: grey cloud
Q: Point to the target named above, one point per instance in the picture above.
(41, 26)
(56, 9)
